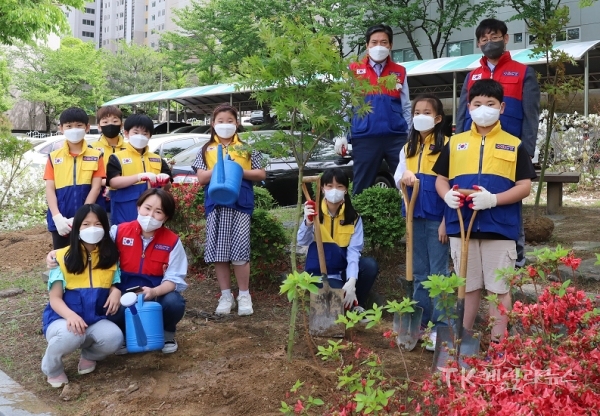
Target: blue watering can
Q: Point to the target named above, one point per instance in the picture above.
(143, 324)
(226, 180)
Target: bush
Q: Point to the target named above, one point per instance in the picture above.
(382, 220)
(263, 198)
(268, 242)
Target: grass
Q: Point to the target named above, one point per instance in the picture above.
(286, 216)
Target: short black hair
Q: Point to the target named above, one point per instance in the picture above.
(486, 88)
(73, 115)
(141, 121)
(489, 26)
(380, 28)
(167, 202)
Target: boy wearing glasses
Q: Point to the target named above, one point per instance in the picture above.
(521, 94)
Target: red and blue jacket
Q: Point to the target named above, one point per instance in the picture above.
(141, 267)
(385, 120)
(511, 74)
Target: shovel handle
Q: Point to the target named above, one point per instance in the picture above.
(464, 251)
(409, 205)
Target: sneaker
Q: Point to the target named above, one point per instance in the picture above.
(122, 350)
(245, 305)
(359, 309)
(225, 305)
(170, 347)
(86, 366)
(58, 381)
(432, 339)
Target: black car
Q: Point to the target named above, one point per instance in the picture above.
(282, 174)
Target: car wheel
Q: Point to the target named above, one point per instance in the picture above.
(382, 182)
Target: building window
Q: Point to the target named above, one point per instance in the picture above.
(568, 34)
(121, 15)
(88, 22)
(90, 11)
(146, 7)
(146, 20)
(403, 55)
(518, 38)
(145, 34)
(153, 18)
(87, 34)
(153, 4)
(152, 44)
(461, 48)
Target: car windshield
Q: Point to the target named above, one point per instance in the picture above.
(188, 156)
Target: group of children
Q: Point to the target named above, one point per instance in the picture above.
(485, 159)
(96, 263)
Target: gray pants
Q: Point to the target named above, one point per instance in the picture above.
(99, 341)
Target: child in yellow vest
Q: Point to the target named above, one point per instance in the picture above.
(73, 176)
(228, 227)
(431, 251)
(82, 293)
(132, 171)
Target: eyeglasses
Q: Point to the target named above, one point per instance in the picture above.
(493, 39)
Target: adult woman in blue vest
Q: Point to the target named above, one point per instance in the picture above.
(343, 241)
(152, 260)
(228, 227)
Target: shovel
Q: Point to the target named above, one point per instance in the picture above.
(328, 303)
(408, 325)
(465, 344)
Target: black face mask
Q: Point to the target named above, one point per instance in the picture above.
(493, 50)
(111, 130)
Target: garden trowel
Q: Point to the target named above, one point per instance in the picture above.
(328, 303)
(462, 341)
(408, 325)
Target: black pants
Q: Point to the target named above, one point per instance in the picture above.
(59, 241)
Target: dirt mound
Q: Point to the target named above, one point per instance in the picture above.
(537, 228)
(24, 250)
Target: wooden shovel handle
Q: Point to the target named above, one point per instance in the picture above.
(464, 250)
(409, 206)
(317, 223)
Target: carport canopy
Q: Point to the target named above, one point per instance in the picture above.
(442, 76)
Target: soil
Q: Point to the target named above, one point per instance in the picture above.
(229, 366)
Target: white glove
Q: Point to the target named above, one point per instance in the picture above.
(350, 293)
(309, 212)
(147, 176)
(162, 179)
(62, 225)
(341, 144)
(70, 222)
(482, 199)
(453, 198)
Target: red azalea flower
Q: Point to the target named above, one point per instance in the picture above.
(298, 408)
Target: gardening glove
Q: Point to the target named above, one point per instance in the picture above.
(349, 293)
(162, 179)
(62, 225)
(341, 145)
(309, 212)
(70, 222)
(482, 199)
(147, 176)
(453, 198)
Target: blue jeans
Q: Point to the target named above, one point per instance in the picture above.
(367, 272)
(367, 155)
(173, 309)
(430, 256)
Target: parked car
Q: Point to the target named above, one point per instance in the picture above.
(256, 117)
(169, 145)
(39, 154)
(184, 129)
(282, 174)
(161, 128)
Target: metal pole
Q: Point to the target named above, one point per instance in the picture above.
(454, 84)
(586, 83)
(231, 100)
(168, 116)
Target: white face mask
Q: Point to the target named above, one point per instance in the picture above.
(139, 141)
(91, 235)
(485, 116)
(379, 53)
(74, 135)
(225, 131)
(334, 195)
(423, 122)
(148, 223)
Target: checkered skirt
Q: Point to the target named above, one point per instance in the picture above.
(227, 236)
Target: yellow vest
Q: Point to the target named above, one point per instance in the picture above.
(333, 229)
(423, 160)
(132, 162)
(106, 149)
(91, 278)
(241, 157)
(72, 171)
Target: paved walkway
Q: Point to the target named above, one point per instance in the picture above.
(16, 401)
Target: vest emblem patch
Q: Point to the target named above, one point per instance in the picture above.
(90, 158)
(162, 247)
(476, 77)
(510, 74)
(58, 160)
(128, 241)
(361, 71)
(462, 146)
(127, 160)
(154, 159)
(505, 147)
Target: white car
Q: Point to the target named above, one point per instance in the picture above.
(169, 145)
(39, 154)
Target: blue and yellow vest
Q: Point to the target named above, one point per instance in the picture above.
(489, 161)
(336, 237)
(428, 204)
(85, 293)
(106, 150)
(123, 201)
(72, 179)
(245, 202)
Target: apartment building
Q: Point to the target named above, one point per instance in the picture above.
(84, 23)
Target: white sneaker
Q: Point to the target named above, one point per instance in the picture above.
(359, 309)
(432, 339)
(245, 305)
(225, 305)
(122, 349)
(170, 347)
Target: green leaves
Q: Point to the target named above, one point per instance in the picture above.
(297, 284)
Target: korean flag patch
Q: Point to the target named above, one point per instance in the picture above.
(58, 160)
(462, 146)
(127, 160)
(361, 71)
(128, 241)
(475, 77)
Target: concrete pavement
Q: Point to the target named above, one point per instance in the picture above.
(16, 401)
